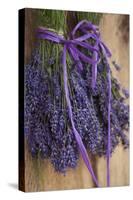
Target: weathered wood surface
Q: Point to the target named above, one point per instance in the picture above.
(40, 175)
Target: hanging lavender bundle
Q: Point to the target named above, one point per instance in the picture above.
(68, 106)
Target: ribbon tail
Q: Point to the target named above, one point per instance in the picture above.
(85, 156)
(109, 143)
(94, 70)
(77, 136)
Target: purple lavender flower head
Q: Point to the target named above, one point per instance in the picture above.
(125, 92)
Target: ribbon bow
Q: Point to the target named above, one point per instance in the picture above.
(71, 46)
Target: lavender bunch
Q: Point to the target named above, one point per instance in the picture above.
(47, 125)
(84, 114)
(45, 118)
(119, 110)
(65, 154)
(36, 97)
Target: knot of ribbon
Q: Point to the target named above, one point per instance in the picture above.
(88, 31)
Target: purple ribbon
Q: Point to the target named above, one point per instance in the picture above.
(89, 31)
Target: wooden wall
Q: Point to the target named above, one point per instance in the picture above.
(40, 175)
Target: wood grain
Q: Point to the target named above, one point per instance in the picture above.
(39, 174)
